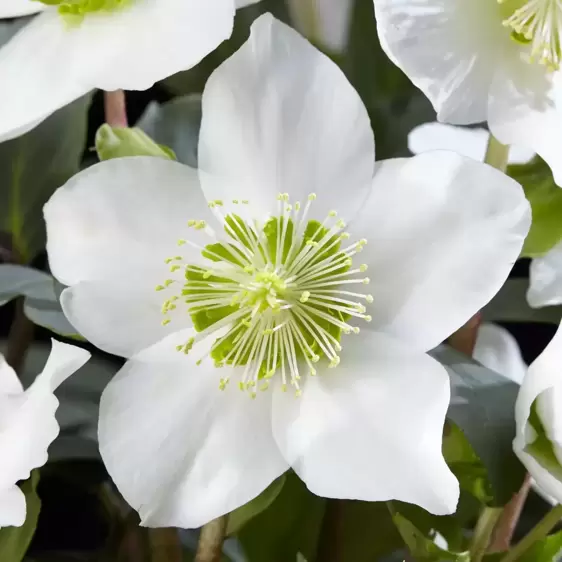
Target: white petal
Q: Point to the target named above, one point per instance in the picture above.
(29, 426)
(471, 142)
(498, 350)
(545, 279)
(12, 507)
(448, 48)
(9, 381)
(50, 63)
(120, 318)
(119, 220)
(544, 385)
(279, 116)
(17, 8)
(526, 109)
(372, 428)
(181, 451)
(443, 232)
(325, 21)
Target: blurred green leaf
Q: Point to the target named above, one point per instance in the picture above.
(423, 547)
(120, 142)
(41, 304)
(239, 517)
(465, 464)
(288, 526)
(175, 124)
(14, 541)
(482, 406)
(545, 198)
(548, 549)
(32, 167)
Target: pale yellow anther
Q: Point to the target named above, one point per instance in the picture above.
(304, 296)
(356, 329)
(200, 225)
(166, 321)
(363, 267)
(235, 201)
(312, 197)
(297, 206)
(369, 298)
(334, 362)
(241, 386)
(344, 235)
(368, 318)
(253, 395)
(366, 281)
(191, 223)
(284, 388)
(182, 242)
(264, 386)
(160, 287)
(312, 372)
(245, 202)
(174, 268)
(341, 224)
(333, 214)
(168, 260)
(298, 393)
(168, 282)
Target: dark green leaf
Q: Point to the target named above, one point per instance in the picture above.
(482, 406)
(175, 124)
(41, 304)
(288, 526)
(32, 167)
(423, 547)
(14, 541)
(120, 142)
(239, 517)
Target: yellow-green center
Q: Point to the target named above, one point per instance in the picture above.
(76, 10)
(538, 25)
(275, 297)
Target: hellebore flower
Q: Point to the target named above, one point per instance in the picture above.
(265, 345)
(28, 425)
(74, 46)
(484, 60)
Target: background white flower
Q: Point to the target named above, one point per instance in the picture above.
(16, 8)
(545, 279)
(28, 425)
(50, 63)
(538, 415)
(467, 62)
(471, 142)
(280, 121)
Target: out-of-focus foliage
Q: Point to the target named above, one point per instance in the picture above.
(32, 167)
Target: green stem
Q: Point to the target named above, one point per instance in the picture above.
(497, 154)
(483, 532)
(211, 540)
(540, 531)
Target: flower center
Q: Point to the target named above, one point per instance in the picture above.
(76, 10)
(537, 23)
(275, 296)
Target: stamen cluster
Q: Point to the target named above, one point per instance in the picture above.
(539, 24)
(276, 294)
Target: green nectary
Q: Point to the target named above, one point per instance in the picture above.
(270, 288)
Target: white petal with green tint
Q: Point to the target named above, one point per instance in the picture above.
(51, 62)
(181, 451)
(371, 430)
(279, 116)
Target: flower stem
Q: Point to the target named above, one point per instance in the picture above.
(211, 540)
(165, 545)
(509, 518)
(497, 154)
(115, 108)
(328, 549)
(483, 532)
(539, 531)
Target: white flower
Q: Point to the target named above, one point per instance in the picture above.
(471, 142)
(538, 415)
(545, 279)
(326, 21)
(28, 425)
(484, 60)
(59, 56)
(280, 301)
(498, 350)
